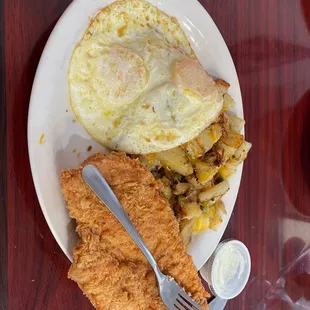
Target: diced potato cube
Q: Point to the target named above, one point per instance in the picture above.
(211, 211)
(226, 151)
(228, 169)
(215, 223)
(236, 123)
(217, 218)
(176, 160)
(241, 153)
(210, 136)
(149, 160)
(221, 207)
(222, 85)
(201, 224)
(194, 149)
(191, 209)
(165, 181)
(216, 131)
(224, 121)
(229, 102)
(166, 190)
(191, 179)
(207, 186)
(205, 171)
(186, 228)
(181, 188)
(214, 193)
(232, 139)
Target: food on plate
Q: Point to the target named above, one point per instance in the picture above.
(135, 82)
(194, 175)
(108, 266)
(137, 87)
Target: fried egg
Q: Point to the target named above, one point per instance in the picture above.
(135, 83)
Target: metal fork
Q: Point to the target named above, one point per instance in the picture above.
(173, 296)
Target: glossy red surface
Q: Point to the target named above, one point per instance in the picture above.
(269, 42)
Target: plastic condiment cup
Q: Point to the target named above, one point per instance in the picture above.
(228, 269)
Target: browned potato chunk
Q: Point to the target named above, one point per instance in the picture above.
(225, 151)
(236, 123)
(228, 169)
(176, 160)
(214, 193)
(232, 139)
(181, 188)
(191, 209)
(222, 85)
(210, 136)
(201, 224)
(229, 102)
(205, 171)
(241, 153)
(194, 149)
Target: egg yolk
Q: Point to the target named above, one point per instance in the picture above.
(122, 74)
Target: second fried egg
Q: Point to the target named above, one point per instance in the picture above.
(135, 83)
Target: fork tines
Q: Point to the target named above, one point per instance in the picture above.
(184, 302)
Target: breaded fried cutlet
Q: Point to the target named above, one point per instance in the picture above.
(108, 266)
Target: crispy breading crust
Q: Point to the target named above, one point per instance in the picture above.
(108, 266)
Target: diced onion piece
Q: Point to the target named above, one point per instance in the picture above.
(176, 160)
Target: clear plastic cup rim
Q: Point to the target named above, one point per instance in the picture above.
(238, 282)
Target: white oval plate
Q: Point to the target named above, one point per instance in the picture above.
(66, 142)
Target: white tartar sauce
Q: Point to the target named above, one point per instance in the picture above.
(228, 267)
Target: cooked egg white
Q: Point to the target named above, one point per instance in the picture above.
(135, 83)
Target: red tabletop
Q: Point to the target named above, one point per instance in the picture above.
(269, 42)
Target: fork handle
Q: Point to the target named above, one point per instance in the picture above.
(99, 185)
